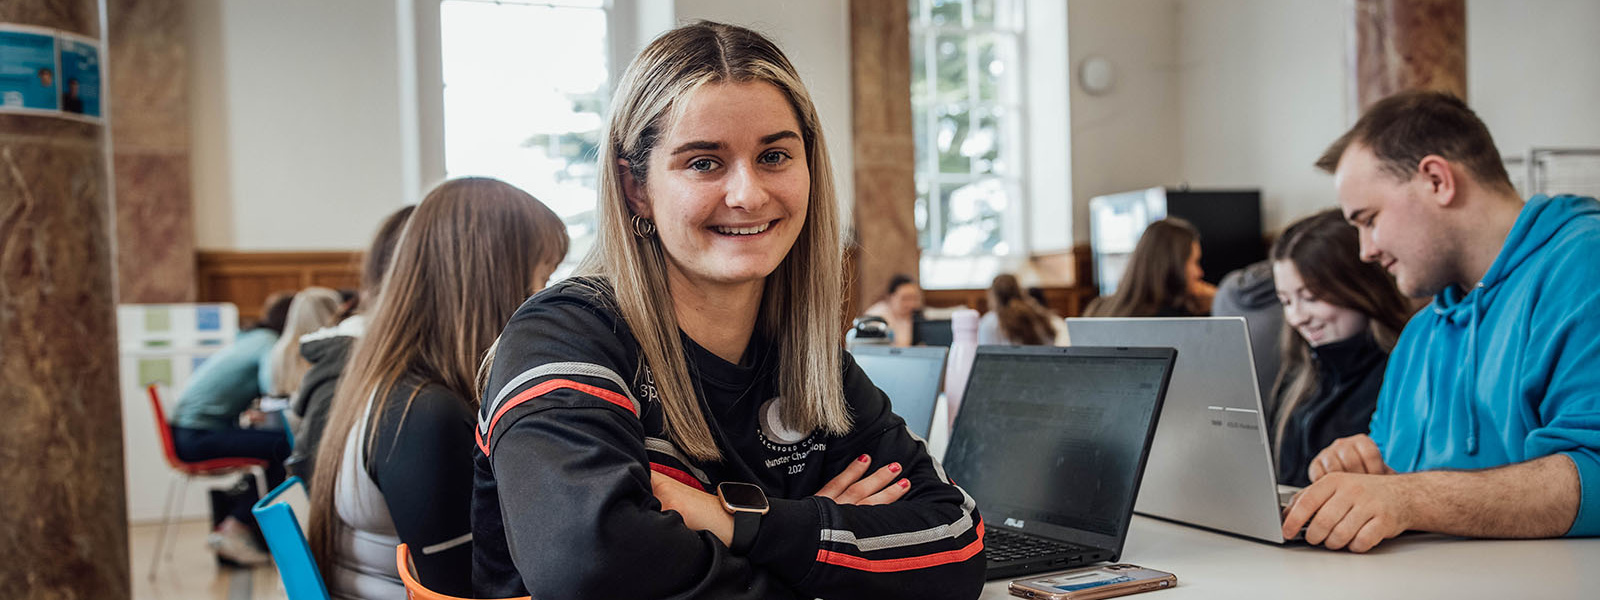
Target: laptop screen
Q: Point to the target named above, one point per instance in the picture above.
(1058, 435)
(909, 376)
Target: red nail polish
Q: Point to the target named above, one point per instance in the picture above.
(905, 483)
(863, 458)
(894, 468)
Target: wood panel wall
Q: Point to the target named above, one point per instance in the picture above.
(247, 278)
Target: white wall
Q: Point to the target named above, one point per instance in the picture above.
(815, 34)
(1127, 138)
(1533, 71)
(298, 137)
(1263, 88)
(1263, 92)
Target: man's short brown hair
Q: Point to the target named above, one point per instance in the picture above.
(1406, 127)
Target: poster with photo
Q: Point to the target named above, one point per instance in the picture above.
(28, 69)
(49, 73)
(79, 79)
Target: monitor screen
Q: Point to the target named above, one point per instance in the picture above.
(909, 376)
(932, 332)
(1056, 437)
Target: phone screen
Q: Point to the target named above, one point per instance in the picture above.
(1072, 582)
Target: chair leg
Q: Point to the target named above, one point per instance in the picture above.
(177, 516)
(261, 482)
(166, 523)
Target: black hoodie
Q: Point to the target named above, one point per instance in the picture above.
(327, 349)
(571, 428)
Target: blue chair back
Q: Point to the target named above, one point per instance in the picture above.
(286, 538)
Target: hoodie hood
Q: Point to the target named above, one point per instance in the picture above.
(320, 344)
(1540, 220)
(1251, 288)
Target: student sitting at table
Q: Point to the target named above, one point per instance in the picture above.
(395, 464)
(899, 308)
(1488, 424)
(312, 309)
(1163, 278)
(1340, 319)
(206, 424)
(328, 349)
(1014, 317)
(682, 420)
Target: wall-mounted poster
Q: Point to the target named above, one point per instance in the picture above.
(28, 69)
(49, 72)
(80, 75)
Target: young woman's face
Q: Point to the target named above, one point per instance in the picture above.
(728, 185)
(1318, 321)
(906, 299)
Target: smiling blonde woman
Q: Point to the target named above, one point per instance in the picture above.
(680, 420)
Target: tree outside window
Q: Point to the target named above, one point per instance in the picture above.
(526, 84)
(967, 115)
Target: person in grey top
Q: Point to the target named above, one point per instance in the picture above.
(1249, 293)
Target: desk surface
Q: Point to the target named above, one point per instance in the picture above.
(1213, 565)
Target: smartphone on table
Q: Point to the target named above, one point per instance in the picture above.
(1094, 583)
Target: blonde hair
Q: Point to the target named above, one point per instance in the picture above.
(462, 266)
(312, 309)
(802, 301)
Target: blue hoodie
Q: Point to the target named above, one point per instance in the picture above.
(1510, 371)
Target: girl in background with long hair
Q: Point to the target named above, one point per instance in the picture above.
(1014, 317)
(1162, 278)
(328, 350)
(312, 309)
(395, 464)
(681, 421)
(1341, 318)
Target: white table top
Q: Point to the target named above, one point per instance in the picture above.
(1213, 565)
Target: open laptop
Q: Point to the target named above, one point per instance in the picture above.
(1211, 464)
(1051, 442)
(909, 376)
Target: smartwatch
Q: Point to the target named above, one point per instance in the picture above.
(746, 502)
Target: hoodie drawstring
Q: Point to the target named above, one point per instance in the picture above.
(1472, 370)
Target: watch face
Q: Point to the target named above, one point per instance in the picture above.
(742, 496)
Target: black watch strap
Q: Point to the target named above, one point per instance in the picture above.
(745, 525)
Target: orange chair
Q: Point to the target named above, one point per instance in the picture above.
(408, 575)
(183, 471)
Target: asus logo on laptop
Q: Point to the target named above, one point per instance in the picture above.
(1017, 523)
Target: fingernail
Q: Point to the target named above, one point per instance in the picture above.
(863, 458)
(905, 483)
(894, 468)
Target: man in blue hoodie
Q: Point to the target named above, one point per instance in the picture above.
(1488, 424)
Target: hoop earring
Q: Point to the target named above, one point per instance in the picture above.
(642, 227)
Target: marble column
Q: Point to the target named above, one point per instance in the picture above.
(63, 518)
(149, 68)
(1399, 45)
(880, 76)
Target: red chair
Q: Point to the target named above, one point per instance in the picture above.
(183, 472)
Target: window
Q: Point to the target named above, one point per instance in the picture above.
(526, 84)
(967, 119)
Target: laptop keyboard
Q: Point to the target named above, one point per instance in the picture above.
(1004, 546)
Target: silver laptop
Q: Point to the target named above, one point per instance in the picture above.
(1211, 464)
(909, 376)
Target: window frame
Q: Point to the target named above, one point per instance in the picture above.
(1013, 129)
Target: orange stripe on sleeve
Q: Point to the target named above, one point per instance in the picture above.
(892, 565)
(550, 386)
